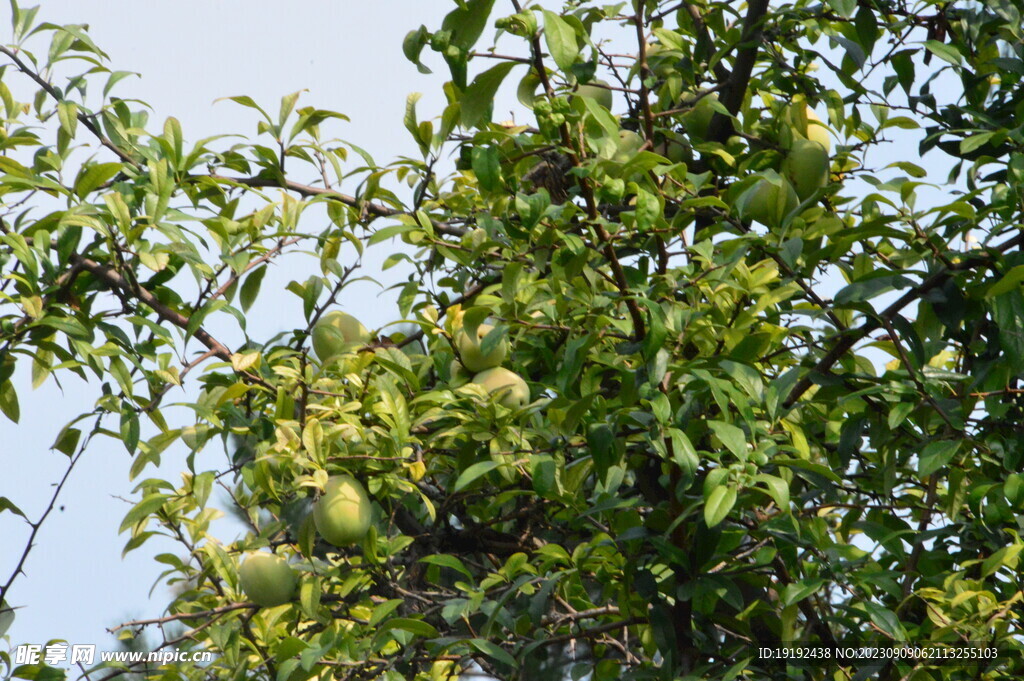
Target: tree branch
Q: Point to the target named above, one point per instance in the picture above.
(736, 86)
(83, 119)
(848, 340)
(109, 276)
(375, 209)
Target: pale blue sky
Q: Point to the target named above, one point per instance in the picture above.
(189, 53)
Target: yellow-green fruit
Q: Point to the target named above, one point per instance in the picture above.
(334, 331)
(770, 199)
(457, 373)
(809, 126)
(507, 387)
(817, 131)
(342, 514)
(267, 579)
(806, 166)
(601, 95)
(629, 146)
(471, 350)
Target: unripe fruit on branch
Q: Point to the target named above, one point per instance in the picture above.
(267, 579)
(629, 146)
(334, 331)
(769, 200)
(505, 386)
(471, 349)
(806, 166)
(342, 514)
(698, 119)
(594, 91)
(809, 126)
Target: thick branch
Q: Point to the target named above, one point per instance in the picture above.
(736, 86)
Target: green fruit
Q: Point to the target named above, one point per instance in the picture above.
(769, 201)
(809, 126)
(507, 387)
(334, 332)
(457, 374)
(629, 146)
(675, 148)
(342, 514)
(807, 167)
(267, 579)
(594, 91)
(698, 119)
(471, 351)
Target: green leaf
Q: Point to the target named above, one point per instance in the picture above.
(93, 176)
(777, 488)
(493, 651)
(487, 167)
(313, 439)
(975, 142)
(1008, 314)
(935, 455)
(870, 286)
(886, 620)
(8, 505)
(251, 287)
(413, 45)
(944, 51)
(1008, 556)
(474, 472)
(648, 210)
(1007, 282)
(560, 38)
(149, 504)
(797, 591)
(718, 504)
(478, 99)
(732, 437)
(68, 325)
(815, 468)
(310, 591)
(417, 627)
(601, 441)
(451, 562)
(9, 401)
(467, 22)
(130, 429)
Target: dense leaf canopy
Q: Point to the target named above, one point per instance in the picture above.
(772, 376)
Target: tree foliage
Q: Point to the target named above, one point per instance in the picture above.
(714, 451)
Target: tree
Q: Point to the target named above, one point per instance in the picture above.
(711, 455)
